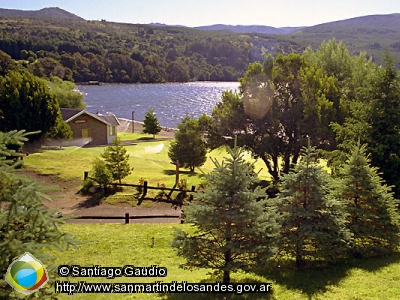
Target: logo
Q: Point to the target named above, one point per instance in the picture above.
(26, 274)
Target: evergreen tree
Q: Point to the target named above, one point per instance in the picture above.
(372, 215)
(313, 223)
(101, 174)
(188, 147)
(26, 224)
(233, 229)
(384, 144)
(151, 125)
(27, 104)
(117, 160)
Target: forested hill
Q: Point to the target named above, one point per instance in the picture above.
(79, 50)
(372, 34)
(49, 12)
(251, 28)
(118, 52)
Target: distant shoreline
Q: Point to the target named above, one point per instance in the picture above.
(126, 126)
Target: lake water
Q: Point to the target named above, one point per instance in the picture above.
(171, 101)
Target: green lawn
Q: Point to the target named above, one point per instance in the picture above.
(149, 159)
(126, 136)
(117, 245)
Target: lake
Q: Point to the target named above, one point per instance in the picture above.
(171, 101)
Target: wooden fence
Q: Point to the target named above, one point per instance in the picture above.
(145, 187)
(127, 217)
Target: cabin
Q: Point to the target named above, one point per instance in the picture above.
(97, 128)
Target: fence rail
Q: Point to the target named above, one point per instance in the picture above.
(127, 217)
(146, 187)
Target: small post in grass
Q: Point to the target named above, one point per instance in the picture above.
(144, 189)
(126, 218)
(133, 121)
(191, 195)
(176, 163)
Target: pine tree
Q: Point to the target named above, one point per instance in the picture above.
(384, 145)
(372, 215)
(233, 229)
(188, 147)
(117, 160)
(151, 125)
(26, 224)
(313, 223)
(101, 174)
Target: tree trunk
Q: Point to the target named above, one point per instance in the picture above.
(286, 165)
(271, 169)
(227, 254)
(299, 255)
(227, 276)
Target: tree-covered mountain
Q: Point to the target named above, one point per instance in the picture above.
(79, 50)
(251, 28)
(49, 12)
(118, 52)
(372, 34)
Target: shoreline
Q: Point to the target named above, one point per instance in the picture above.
(126, 126)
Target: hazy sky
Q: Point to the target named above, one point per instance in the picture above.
(277, 13)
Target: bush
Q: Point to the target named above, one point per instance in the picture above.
(101, 174)
(117, 160)
(87, 184)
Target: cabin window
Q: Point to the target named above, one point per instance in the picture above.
(112, 130)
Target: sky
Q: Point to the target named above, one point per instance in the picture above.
(276, 13)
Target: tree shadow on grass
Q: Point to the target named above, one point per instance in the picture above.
(175, 204)
(146, 138)
(315, 280)
(173, 172)
(92, 200)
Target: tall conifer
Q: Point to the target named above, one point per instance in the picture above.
(117, 160)
(372, 215)
(150, 123)
(384, 147)
(234, 228)
(313, 223)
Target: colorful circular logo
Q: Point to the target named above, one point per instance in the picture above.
(26, 274)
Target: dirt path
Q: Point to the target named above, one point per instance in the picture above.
(70, 202)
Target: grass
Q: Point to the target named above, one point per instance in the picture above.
(149, 160)
(127, 136)
(119, 245)
(116, 245)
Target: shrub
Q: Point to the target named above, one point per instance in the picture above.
(101, 174)
(87, 184)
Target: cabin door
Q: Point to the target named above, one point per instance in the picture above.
(86, 133)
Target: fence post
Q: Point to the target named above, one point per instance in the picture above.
(177, 173)
(85, 175)
(144, 189)
(191, 195)
(126, 218)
